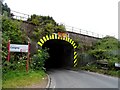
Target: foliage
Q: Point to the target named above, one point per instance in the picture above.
(106, 48)
(11, 31)
(107, 43)
(98, 54)
(39, 59)
(41, 20)
(5, 9)
(45, 25)
(94, 68)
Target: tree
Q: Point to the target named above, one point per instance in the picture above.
(5, 10)
(45, 25)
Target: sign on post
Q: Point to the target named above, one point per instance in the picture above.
(18, 48)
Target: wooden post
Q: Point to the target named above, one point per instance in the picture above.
(28, 56)
(8, 56)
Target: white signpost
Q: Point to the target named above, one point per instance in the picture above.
(18, 48)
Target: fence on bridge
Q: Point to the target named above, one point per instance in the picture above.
(84, 32)
(24, 17)
(20, 16)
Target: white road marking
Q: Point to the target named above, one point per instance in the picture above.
(54, 87)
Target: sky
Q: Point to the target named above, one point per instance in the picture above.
(99, 16)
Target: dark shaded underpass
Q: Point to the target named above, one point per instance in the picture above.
(61, 54)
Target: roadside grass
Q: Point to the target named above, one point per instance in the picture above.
(15, 79)
(93, 68)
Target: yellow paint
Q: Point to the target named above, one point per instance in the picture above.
(63, 38)
(40, 43)
(75, 53)
(75, 65)
(58, 37)
(75, 47)
(75, 61)
(72, 42)
(55, 36)
(52, 36)
(47, 37)
(68, 39)
(41, 40)
(44, 39)
(75, 56)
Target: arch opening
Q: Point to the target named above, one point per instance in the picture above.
(61, 54)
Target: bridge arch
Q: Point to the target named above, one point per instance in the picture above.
(53, 36)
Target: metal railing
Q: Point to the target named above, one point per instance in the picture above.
(20, 16)
(24, 17)
(84, 32)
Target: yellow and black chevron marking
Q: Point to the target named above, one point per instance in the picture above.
(55, 36)
(75, 59)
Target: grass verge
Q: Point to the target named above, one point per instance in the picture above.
(14, 79)
(93, 68)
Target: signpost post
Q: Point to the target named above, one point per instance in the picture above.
(8, 46)
(19, 48)
(28, 56)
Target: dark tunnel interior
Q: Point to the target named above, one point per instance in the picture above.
(61, 54)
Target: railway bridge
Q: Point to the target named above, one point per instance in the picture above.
(63, 46)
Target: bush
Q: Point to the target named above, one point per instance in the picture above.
(111, 63)
(38, 59)
(11, 31)
(14, 66)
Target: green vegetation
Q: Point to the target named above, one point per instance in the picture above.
(94, 68)
(106, 54)
(16, 79)
(5, 9)
(14, 72)
(38, 60)
(45, 25)
(11, 31)
(106, 49)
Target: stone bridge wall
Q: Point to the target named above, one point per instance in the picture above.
(85, 40)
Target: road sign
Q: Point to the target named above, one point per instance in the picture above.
(62, 34)
(18, 48)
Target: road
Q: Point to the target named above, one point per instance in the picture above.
(80, 79)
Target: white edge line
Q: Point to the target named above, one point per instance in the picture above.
(48, 84)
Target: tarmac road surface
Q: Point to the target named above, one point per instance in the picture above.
(80, 79)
